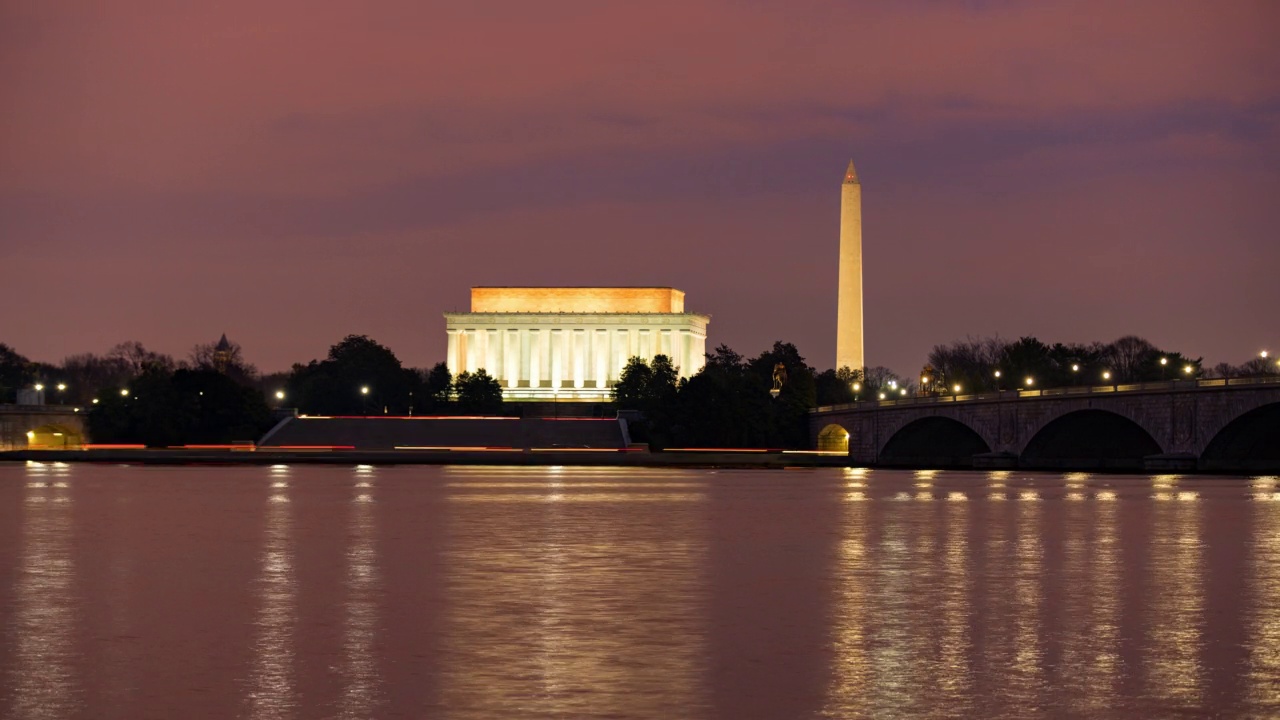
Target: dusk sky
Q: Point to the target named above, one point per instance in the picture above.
(292, 172)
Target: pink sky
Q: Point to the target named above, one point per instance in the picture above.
(292, 172)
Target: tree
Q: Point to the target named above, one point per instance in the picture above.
(90, 376)
(478, 392)
(437, 384)
(205, 356)
(631, 388)
(334, 386)
(138, 359)
(834, 387)
(15, 373)
(182, 407)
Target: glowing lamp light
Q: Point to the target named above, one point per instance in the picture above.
(903, 391)
(1188, 369)
(62, 386)
(1106, 376)
(881, 396)
(857, 387)
(95, 401)
(956, 388)
(1264, 354)
(1164, 361)
(1075, 368)
(997, 373)
(39, 387)
(279, 394)
(364, 390)
(124, 392)
(1031, 381)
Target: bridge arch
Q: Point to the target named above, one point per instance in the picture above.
(833, 438)
(1090, 438)
(933, 441)
(54, 437)
(1250, 441)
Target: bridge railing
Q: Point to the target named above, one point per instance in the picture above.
(1166, 385)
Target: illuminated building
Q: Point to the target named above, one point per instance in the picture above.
(849, 302)
(571, 343)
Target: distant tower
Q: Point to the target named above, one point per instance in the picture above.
(849, 301)
(222, 354)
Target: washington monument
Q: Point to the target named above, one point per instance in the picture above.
(849, 302)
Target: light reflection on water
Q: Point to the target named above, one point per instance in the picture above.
(615, 592)
(41, 632)
(273, 693)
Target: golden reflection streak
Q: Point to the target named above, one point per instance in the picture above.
(542, 485)
(1090, 605)
(1177, 610)
(572, 497)
(43, 626)
(593, 616)
(360, 672)
(1027, 670)
(273, 694)
(954, 676)
(895, 647)
(1264, 621)
(851, 669)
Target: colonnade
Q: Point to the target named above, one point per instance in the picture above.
(526, 355)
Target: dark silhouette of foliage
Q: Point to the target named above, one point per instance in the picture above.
(181, 407)
(333, 386)
(478, 393)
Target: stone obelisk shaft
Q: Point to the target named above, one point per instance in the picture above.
(849, 304)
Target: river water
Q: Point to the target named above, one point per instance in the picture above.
(484, 592)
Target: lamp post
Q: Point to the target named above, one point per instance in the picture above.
(1029, 381)
(857, 387)
(1164, 362)
(364, 399)
(62, 388)
(998, 382)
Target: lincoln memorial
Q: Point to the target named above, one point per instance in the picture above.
(571, 343)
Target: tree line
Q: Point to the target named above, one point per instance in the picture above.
(214, 396)
(135, 395)
(728, 402)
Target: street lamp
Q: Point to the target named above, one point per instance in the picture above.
(903, 392)
(1030, 381)
(957, 389)
(856, 388)
(279, 394)
(881, 396)
(39, 387)
(1188, 369)
(364, 389)
(124, 392)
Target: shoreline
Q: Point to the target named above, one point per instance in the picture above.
(512, 457)
(515, 457)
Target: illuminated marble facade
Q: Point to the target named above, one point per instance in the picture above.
(571, 343)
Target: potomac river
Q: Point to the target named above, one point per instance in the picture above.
(593, 592)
